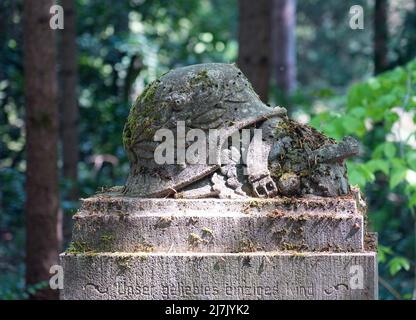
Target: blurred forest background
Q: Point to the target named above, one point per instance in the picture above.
(65, 95)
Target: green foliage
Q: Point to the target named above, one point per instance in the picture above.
(329, 53)
(20, 292)
(380, 112)
(398, 263)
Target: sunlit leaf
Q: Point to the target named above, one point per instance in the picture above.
(398, 263)
(389, 150)
(378, 165)
(398, 175)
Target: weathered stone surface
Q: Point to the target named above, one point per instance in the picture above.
(215, 276)
(281, 248)
(114, 223)
(218, 231)
(106, 203)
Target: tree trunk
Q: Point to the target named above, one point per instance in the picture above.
(380, 36)
(42, 194)
(254, 57)
(284, 45)
(69, 107)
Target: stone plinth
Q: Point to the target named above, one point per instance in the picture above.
(257, 275)
(300, 248)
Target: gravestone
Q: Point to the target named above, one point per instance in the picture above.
(271, 216)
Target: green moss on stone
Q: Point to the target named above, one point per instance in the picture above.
(143, 246)
(246, 246)
(149, 92)
(140, 116)
(202, 78)
(78, 247)
(107, 238)
(207, 231)
(288, 246)
(194, 239)
(106, 241)
(123, 262)
(254, 204)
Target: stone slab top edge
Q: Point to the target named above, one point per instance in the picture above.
(219, 254)
(117, 203)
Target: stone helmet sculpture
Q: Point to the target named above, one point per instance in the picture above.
(218, 96)
(205, 96)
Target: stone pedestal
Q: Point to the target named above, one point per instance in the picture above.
(300, 248)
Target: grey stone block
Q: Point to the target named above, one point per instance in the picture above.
(232, 232)
(115, 203)
(213, 276)
(211, 225)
